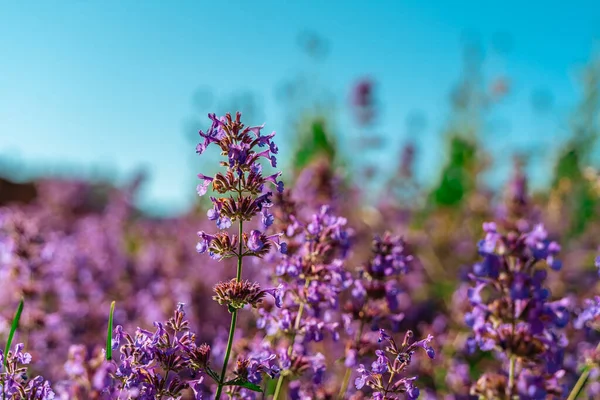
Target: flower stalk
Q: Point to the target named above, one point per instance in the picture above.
(221, 382)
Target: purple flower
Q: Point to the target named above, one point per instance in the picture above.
(516, 315)
(590, 315)
(379, 366)
(277, 294)
(205, 240)
(171, 347)
(14, 381)
(202, 187)
(223, 223)
(267, 218)
(387, 378)
(243, 178)
(254, 242)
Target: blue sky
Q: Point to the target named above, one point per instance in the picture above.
(108, 85)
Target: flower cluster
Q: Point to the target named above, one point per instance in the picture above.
(376, 291)
(312, 278)
(243, 197)
(513, 314)
(87, 377)
(71, 248)
(163, 363)
(374, 300)
(14, 382)
(387, 376)
(245, 180)
(237, 294)
(256, 363)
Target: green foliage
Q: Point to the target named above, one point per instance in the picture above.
(243, 383)
(458, 176)
(109, 332)
(13, 329)
(567, 166)
(581, 199)
(314, 141)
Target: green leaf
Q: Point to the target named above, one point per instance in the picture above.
(243, 383)
(109, 332)
(212, 374)
(13, 328)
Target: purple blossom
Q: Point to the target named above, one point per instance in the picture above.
(158, 363)
(516, 316)
(13, 378)
(590, 315)
(387, 376)
(254, 242)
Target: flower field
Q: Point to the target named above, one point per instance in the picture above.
(275, 291)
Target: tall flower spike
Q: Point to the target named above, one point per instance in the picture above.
(513, 315)
(240, 195)
(313, 276)
(374, 302)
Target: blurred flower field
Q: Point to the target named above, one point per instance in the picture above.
(318, 275)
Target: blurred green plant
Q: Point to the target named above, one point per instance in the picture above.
(314, 141)
(469, 104)
(458, 177)
(570, 182)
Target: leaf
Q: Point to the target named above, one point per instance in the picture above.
(13, 328)
(243, 383)
(212, 374)
(109, 333)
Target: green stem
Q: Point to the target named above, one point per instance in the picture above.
(291, 346)
(582, 381)
(348, 373)
(578, 388)
(233, 317)
(511, 376)
(278, 387)
(345, 382)
(227, 354)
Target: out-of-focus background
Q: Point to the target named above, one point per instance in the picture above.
(105, 90)
(421, 118)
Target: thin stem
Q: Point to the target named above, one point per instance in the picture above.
(345, 382)
(511, 376)
(296, 327)
(278, 387)
(348, 373)
(233, 317)
(162, 384)
(580, 384)
(240, 255)
(264, 390)
(227, 354)
(582, 381)
(291, 346)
